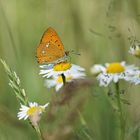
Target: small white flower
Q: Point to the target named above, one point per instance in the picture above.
(57, 81)
(32, 110)
(57, 69)
(114, 72)
(135, 49)
(97, 69)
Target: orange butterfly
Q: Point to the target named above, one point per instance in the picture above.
(51, 49)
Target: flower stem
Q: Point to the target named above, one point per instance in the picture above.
(122, 122)
(83, 122)
(63, 78)
(38, 131)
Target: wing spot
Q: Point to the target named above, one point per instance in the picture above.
(47, 45)
(43, 52)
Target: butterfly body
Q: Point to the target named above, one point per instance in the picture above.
(51, 49)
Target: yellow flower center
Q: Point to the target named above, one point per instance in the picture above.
(62, 66)
(60, 80)
(34, 109)
(115, 68)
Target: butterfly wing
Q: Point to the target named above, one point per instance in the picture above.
(50, 48)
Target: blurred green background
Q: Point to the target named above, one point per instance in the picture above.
(98, 30)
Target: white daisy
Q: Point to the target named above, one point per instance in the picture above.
(31, 110)
(114, 72)
(57, 81)
(65, 68)
(135, 49)
(97, 69)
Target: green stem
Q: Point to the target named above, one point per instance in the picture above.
(83, 122)
(38, 131)
(122, 123)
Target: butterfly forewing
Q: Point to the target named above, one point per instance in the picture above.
(50, 48)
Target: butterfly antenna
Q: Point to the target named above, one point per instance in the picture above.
(73, 52)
